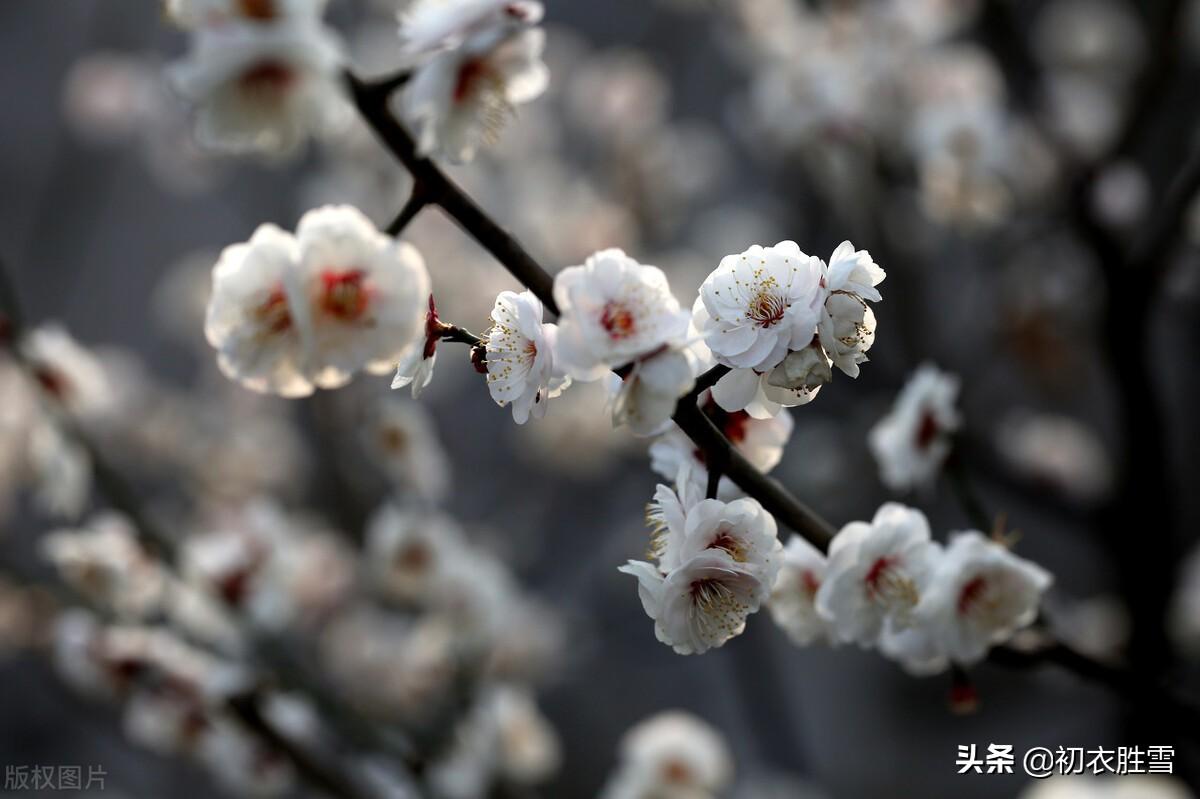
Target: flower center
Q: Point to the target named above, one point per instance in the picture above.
(413, 558)
(730, 544)
(811, 583)
(273, 315)
(52, 382)
(474, 75)
(970, 595)
(268, 80)
(721, 613)
(343, 295)
(258, 9)
(393, 439)
(927, 430)
(767, 308)
(889, 586)
(617, 320)
(676, 772)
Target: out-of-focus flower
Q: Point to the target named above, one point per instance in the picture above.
(1057, 451)
(262, 88)
(912, 441)
(504, 739)
(521, 368)
(876, 575)
(613, 312)
(710, 574)
(277, 569)
(193, 14)
(290, 313)
(482, 59)
(1121, 194)
(1185, 606)
(408, 554)
(61, 471)
(672, 754)
(978, 596)
(847, 326)
(793, 598)
(105, 563)
(401, 439)
(67, 373)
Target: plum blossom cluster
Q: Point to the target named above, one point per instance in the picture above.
(293, 312)
(713, 564)
(779, 319)
(896, 81)
(887, 585)
(175, 698)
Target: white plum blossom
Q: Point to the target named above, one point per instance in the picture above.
(401, 439)
(105, 563)
(847, 324)
(193, 14)
(262, 88)
(979, 595)
(645, 397)
(614, 311)
(914, 439)
(409, 554)
(520, 356)
(876, 575)
(68, 373)
(758, 305)
(672, 755)
(480, 59)
(711, 574)
(793, 598)
(292, 313)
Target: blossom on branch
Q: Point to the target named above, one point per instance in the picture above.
(292, 313)
(613, 312)
(877, 574)
(478, 60)
(711, 572)
(979, 595)
(847, 326)
(912, 442)
(521, 368)
(793, 602)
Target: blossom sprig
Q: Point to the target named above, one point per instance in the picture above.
(779, 319)
(713, 565)
(886, 584)
(292, 313)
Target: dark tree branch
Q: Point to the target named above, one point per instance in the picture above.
(416, 203)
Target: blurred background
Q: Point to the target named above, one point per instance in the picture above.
(1010, 164)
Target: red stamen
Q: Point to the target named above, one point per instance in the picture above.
(617, 320)
(876, 574)
(468, 76)
(970, 594)
(268, 77)
(927, 431)
(273, 314)
(345, 295)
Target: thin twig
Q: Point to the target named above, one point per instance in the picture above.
(416, 203)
